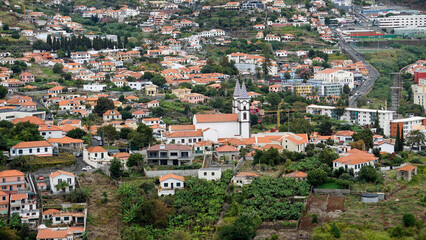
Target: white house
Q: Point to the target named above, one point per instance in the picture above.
(281, 53)
(61, 176)
(169, 183)
(243, 178)
(96, 156)
(32, 148)
(331, 75)
(355, 159)
(94, 87)
(50, 131)
(138, 85)
(386, 146)
(210, 173)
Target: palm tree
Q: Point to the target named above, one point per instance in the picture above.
(416, 137)
(86, 121)
(61, 186)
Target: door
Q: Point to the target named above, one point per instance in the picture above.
(171, 185)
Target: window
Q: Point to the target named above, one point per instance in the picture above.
(178, 184)
(96, 155)
(166, 184)
(66, 218)
(58, 219)
(45, 149)
(31, 150)
(20, 151)
(18, 186)
(205, 173)
(4, 198)
(212, 173)
(19, 178)
(38, 150)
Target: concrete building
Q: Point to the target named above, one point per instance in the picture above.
(419, 94)
(210, 173)
(332, 75)
(94, 87)
(10, 115)
(358, 116)
(12, 180)
(96, 156)
(406, 125)
(169, 154)
(401, 21)
(406, 172)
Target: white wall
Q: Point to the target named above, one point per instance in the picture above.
(26, 151)
(64, 177)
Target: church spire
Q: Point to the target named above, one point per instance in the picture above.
(237, 89)
(243, 92)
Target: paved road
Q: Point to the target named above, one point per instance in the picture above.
(367, 84)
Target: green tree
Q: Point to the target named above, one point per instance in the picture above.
(317, 177)
(346, 89)
(365, 135)
(142, 137)
(327, 156)
(244, 228)
(325, 128)
(109, 133)
(61, 186)
(124, 132)
(158, 80)
(274, 99)
(136, 160)
(103, 104)
(369, 174)
(416, 138)
(153, 212)
(76, 133)
(57, 68)
(116, 168)
(26, 131)
(3, 92)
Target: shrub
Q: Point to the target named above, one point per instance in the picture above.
(335, 231)
(416, 160)
(409, 220)
(314, 218)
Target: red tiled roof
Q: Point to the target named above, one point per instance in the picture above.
(356, 156)
(32, 144)
(226, 148)
(407, 168)
(246, 174)
(296, 174)
(171, 176)
(96, 149)
(206, 118)
(11, 173)
(59, 172)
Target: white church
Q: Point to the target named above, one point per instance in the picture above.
(211, 127)
(232, 125)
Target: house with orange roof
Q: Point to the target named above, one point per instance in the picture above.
(243, 178)
(60, 233)
(185, 137)
(406, 172)
(38, 148)
(50, 131)
(26, 77)
(227, 153)
(153, 104)
(298, 176)
(275, 88)
(169, 183)
(57, 89)
(111, 115)
(67, 143)
(344, 136)
(12, 180)
(31, 119)
(96, 156)
(61, 176)
(152, 121)
(355, 159)
(61, 217)
(151, 90)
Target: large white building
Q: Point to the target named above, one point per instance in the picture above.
(356, 116)
(40, 148)
(406, 125)
(331, 75)
(419, 94)
(235, 124)
(401, 21)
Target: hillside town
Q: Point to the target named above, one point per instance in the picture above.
(182, 119)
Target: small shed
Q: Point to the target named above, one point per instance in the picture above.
(406, 172)
(369, 198)
(210, 173)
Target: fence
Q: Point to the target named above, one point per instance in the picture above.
(332, 191)
(183, 173)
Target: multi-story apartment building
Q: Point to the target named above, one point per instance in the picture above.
(406, 125)
(331, 75)
(358, 116)
(419, 93)
(25, 204)
(169, 154)
(401, 21)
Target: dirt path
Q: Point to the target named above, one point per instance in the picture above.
(103, 221)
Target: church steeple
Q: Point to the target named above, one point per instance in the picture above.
(237, 89)
(243, 91)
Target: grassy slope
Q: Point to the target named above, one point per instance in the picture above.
(103, 221)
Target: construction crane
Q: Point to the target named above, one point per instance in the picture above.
(278, 111)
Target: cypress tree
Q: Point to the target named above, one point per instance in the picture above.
(401, 141)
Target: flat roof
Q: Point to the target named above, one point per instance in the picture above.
(408, 119)
(351, 109)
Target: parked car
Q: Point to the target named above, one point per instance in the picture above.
(87, 168)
